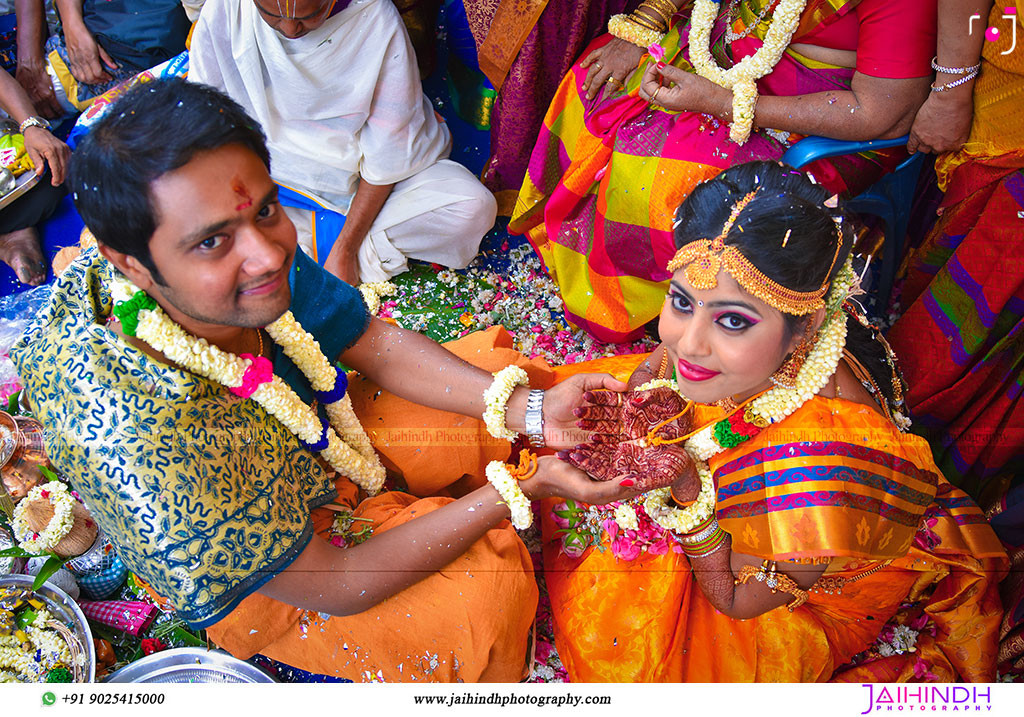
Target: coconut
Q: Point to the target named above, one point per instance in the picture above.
(80, 538)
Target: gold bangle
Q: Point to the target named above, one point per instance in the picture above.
(654, 15)
(667, 5)
(644, 21)
(657, 11)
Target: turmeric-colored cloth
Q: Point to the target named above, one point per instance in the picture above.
(469, 622)
(834, 482)
(432, 449)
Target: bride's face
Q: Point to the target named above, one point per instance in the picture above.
(723, 341)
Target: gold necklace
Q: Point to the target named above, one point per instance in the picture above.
(734, 14)
(727, 404)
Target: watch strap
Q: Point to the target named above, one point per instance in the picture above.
(33, 122)
(535, 418)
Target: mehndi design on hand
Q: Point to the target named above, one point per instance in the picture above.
(620, 424)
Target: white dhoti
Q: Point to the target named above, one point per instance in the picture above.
(438, 215)
(340, 105)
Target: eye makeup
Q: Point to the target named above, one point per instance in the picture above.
(749, 319)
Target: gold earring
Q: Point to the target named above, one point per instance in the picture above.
(785, 376)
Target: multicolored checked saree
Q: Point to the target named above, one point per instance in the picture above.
(961, 339)
(607, 175)
(836, 483)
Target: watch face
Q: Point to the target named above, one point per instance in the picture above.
(35, 122)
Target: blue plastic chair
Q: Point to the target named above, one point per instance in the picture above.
(890, 198)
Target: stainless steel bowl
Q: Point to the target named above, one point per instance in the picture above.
(64, 609)
(190, 665)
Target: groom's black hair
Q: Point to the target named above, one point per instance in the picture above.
(154, 128)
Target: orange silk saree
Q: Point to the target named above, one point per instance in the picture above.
(470, 621)
(836, 483)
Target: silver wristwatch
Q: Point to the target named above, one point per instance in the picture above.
(33, 122)
(535, 418)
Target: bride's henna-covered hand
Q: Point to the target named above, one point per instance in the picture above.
(562, 402)
(631, 464)
(618, 451)
(613, 418)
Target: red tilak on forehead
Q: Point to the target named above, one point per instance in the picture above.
(242, 192)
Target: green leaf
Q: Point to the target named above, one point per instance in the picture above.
(26, 617)
(12, 403)
(16, 552)
(182, 635)
(52, 565)
(48, 474)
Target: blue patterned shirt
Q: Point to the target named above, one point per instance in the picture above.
(204, 494)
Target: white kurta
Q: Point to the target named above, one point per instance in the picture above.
(341, 103)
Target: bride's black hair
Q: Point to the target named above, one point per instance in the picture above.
(787, 208)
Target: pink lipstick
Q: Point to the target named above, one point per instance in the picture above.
(691, 372)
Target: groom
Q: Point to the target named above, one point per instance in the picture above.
(210, 499)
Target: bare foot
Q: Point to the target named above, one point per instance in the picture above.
(20, 250)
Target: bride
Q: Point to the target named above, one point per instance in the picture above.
(791, 530)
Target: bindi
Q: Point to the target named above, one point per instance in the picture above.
(243, 194)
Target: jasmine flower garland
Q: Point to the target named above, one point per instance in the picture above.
(343, 444)
(499, 476)
(48, 651)
(496, 399)
(57, 494)
(657, 503)
(373, 291)
(742, 77)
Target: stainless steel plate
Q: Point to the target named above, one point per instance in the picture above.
(63, 608)
(23, 183)
(190, 665)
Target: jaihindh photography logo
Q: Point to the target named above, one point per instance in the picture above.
(928, 698)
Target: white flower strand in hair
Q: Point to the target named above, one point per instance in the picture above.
(349, 453)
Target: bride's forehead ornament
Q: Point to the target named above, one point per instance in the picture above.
(704, 258)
